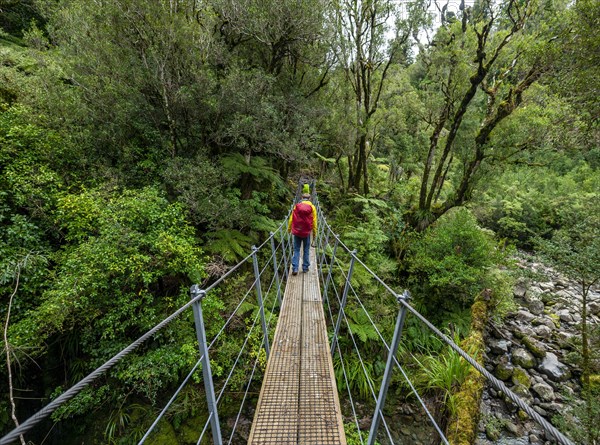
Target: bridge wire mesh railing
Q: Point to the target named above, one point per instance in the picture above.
(330, 260)
(282, 249)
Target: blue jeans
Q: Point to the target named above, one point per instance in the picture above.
(305, 253)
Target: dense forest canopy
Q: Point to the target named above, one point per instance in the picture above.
(146, 145)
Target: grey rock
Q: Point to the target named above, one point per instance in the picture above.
(544, 321)
(520, 288)
(523, 358)
(534, 440)
(554, 369)
(545, 391)
(499, 346)
(594, 308)
(565, 315)
(549, 285)
(552, 406)
(524, 331)
(541, 411)
(565, 294)
(543, 331)
(560, 283)
(536, 306)
(525, 316)
(514, 429)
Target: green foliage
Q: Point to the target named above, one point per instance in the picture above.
(130, 261)
(354, 436)
(580, 423)
(550, 201)
(443, 373)
(450, 264)
(231, 245)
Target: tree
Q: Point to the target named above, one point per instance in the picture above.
(476, 73)
(366, 55)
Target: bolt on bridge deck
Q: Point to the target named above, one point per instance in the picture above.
(298, 402)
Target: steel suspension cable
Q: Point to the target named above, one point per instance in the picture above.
(413, 389)
(243, 401)
(346, 376)
(367, 376)
(349, 393)
(170, 402)
(238, 357)
(365, 372)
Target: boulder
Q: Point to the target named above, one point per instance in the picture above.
(543, 331)
(547, 286)
(523, 358)
(524, 316)
(544, 321)
(520, 288)
(553, 406)
(534, 346)
(536, 306)
(520, 377)
(545, 391)
(504, 370)
(499, 346)
(565, 315)
(554, 369)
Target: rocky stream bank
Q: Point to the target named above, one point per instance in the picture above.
(533, 352)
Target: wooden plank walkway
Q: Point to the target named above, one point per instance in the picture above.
(298, 402)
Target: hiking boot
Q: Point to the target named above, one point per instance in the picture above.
(295, 272)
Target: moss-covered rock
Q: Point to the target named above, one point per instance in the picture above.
(520, 377)
(555, 318)
(492, 432)
(163, 434)
(534, 346)
(462, 426)
(523, 358)
(504, 370)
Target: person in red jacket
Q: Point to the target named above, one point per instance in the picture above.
(303, 222)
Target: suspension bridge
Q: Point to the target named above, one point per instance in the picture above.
(299, 401)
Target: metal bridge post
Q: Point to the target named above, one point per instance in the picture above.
(342, 304)
(209, 388)
(387, 375)
(323, 248)
(277, 282)
(284, 253)
(337, 241)
(260, 300)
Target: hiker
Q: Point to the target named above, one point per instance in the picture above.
(303, 221)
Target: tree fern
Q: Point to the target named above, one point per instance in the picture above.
(230, 244)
